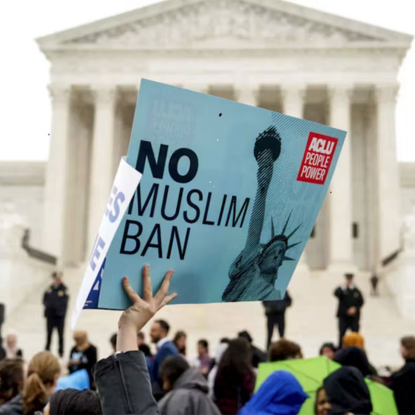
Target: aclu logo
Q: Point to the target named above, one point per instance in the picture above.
(317, 158)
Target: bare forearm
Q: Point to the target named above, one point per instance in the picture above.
(126, 338)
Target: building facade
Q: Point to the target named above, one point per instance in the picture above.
(271, 54)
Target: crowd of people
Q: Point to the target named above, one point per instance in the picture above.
(133, 380)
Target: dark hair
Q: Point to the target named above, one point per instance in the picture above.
(172, 368)
(284, 350)
(113, 340)
(316, 399)
(204, 343)
(164, 325)
(224, 340)
(355, 357)
(177, 337)
(408, 342)
(146, 350)
(246, 336)
(11, 379)
(75, 402)
(236, 359)
(141, 335)
(330, 346)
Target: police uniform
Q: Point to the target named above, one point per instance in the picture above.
(275, 312)
(348, 297)
(55, 301)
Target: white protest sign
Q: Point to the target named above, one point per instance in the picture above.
(125, 184)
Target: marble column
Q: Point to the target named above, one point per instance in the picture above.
(247, 94)
(340, 192)
(102, 158)
(293, 105)
(387, 174)
(57, 173)
(293, 100)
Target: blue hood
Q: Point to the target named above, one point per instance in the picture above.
(280, 394)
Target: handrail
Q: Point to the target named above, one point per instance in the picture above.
(390, 258)
(36, 253)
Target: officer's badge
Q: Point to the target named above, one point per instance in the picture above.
(356, 295)
(60, 293)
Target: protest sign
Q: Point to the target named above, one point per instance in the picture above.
(228, 198)
(125, 183)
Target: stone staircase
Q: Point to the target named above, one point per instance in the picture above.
(310, 321)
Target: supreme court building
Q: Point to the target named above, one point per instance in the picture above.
(268, 53)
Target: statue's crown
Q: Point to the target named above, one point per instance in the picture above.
(270, 132)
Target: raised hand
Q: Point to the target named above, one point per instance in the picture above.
(134, 318)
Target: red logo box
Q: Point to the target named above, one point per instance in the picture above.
(317, 158)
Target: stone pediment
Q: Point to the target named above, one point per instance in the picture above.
(220, 24)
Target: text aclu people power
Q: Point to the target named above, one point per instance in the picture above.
(317, 158)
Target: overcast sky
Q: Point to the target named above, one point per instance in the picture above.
(24, 102)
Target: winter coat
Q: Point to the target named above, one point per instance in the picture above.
(348, 298)
(403, 386)
(124, 386)
(15, 407)
(188, 397)
(347, 392)
(232, 390)
(12, 407)
(281, 394)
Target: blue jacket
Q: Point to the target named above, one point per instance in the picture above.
(168, 349)
(280, 394)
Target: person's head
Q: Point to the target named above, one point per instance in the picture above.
(171, 369)
(74, 402)
(145, 349)
(347, 392)
(11, 379)
(236, 358)
(321, 404)
(140, 338)
(224, 340)
(284, 350)
(11, 341)
(81, 339)
(42, 375)
(246, 336)
(349, 279)
(202, 347)
(328, 350)
(180, 341)
(113, 341)
(408, 347)
(353, 356)
(57, 278)
(281, 393)
(159, 330)
(354, 339)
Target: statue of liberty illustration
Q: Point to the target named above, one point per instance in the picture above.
(255, 270)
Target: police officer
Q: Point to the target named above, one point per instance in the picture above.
(55, 301)
(350, 303)
(275, 312)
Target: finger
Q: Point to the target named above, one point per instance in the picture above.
(168, 299)
(164, 289)
(147, 288)
(132, 295)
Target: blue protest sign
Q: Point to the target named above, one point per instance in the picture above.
(228, 197)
